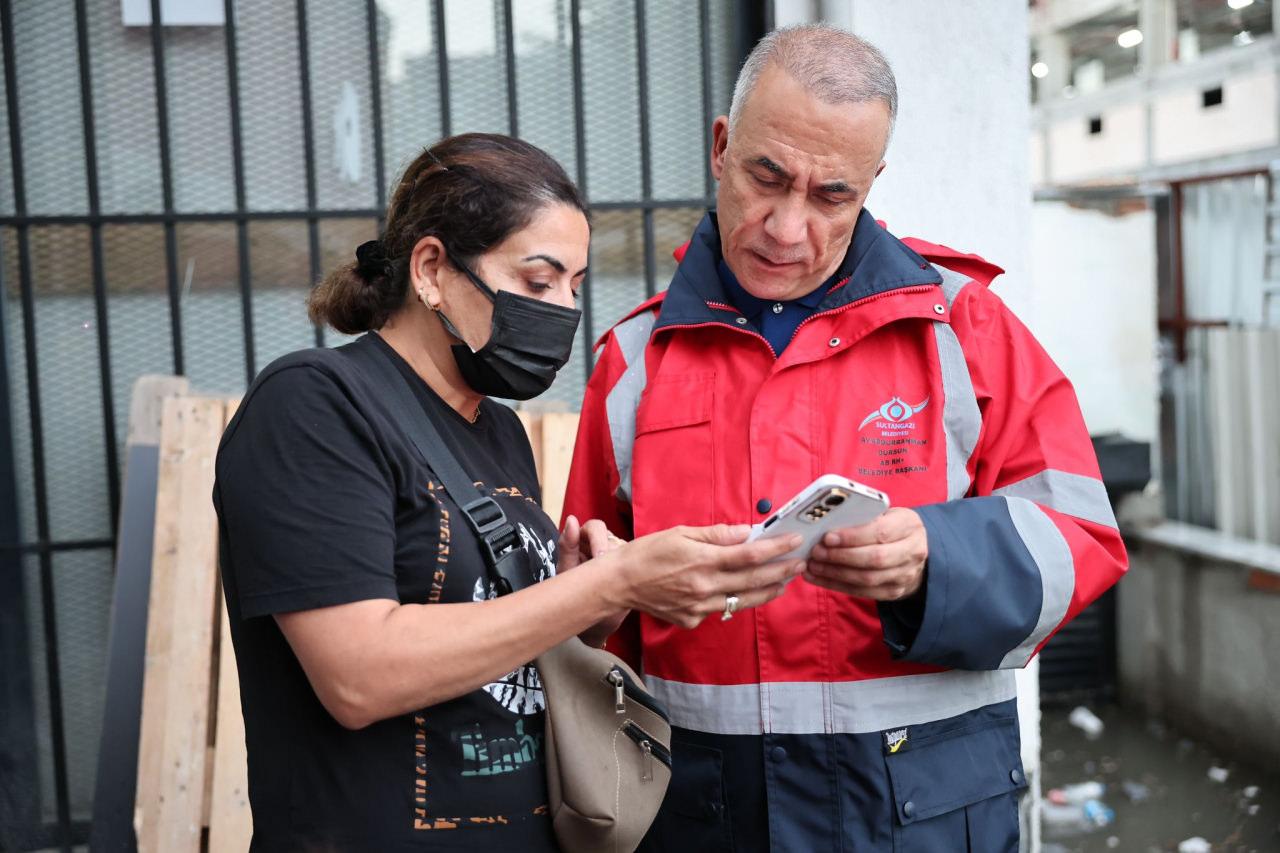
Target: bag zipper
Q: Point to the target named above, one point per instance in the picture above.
(650, 746)
(624, 687)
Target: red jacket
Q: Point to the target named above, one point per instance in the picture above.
(914, 378)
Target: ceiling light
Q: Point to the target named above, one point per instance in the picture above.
(1129, 38)
(1239, 4)
(1039, 70)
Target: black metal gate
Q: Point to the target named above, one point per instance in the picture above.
(172, 191)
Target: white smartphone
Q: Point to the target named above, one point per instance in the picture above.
(830, 502)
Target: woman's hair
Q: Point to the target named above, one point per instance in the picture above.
(471, 191)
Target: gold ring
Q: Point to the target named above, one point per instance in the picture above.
(730, 607)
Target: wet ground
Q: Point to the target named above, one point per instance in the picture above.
(1162, 786)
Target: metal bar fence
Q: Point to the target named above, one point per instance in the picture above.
(237, 161)
(99, 263)
(722, 19)
(166, 182)
(309, 154)
(27, 292)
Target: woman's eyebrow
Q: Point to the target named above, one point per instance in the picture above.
(559, 267)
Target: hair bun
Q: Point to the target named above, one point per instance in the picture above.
(372, 262)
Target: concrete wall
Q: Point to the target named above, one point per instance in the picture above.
(1095, 311)
(1121, 145)
(1184, 129)
(1200, 648)
(1155, 126)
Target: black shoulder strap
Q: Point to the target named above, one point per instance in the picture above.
(498, 539)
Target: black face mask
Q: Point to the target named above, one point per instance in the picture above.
(529, 340)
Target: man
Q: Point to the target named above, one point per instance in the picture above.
(872, 706)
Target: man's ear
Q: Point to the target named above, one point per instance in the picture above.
(719, 145)
(425, 261)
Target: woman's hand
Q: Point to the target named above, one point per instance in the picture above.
(686, 574)
(579, 543)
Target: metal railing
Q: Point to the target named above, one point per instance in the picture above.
(734, 23)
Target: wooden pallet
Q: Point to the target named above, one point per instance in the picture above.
(192, 780)
(192, 787)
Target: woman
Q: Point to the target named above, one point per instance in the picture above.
(388, 698)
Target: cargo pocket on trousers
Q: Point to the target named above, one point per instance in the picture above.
(957, 790)
(694, 816)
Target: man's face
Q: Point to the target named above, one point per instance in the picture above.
(793, 177)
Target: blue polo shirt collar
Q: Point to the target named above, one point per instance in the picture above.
(875, 262)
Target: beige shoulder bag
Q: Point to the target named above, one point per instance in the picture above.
(608, 749)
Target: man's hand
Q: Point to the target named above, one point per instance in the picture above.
(883, 560)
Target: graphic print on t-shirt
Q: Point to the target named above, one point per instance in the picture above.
(520, 691)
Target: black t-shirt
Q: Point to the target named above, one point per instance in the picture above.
(323, 500)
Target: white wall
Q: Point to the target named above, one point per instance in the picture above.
(1184, 129)
(1095, 283)
(958, 169)
(1121, 146)
(958, 172)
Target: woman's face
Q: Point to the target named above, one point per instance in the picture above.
(546, 260)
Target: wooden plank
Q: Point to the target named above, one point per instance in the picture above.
(559, 432)
(230, 821)
(117, 770)
(147, 404)
(175, 705)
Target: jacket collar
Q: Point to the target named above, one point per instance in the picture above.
(876, 262)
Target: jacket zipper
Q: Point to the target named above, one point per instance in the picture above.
(624, 687)
(649, 745)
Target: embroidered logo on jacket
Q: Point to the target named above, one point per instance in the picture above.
(895, 739)
(893, 413)
(897, 446)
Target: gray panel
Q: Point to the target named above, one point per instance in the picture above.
(675, 98)
(672, 229)
(544, 78)
(617, 266)
(137, 311)
(279, 259)
(212, 318)
(611, 94)
(39, 687)
(124, 112)
(82, 590)
(70, 396)
(199, 118)
(340, 104)
(117, 772)
(6, 165)
(49, 106)
(410, 83)
(477, 66)
(270, 105)
(724, 61)
(19, 408)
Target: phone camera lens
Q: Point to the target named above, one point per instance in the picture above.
(834, 500)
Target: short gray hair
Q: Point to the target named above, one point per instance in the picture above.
(834, 65)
